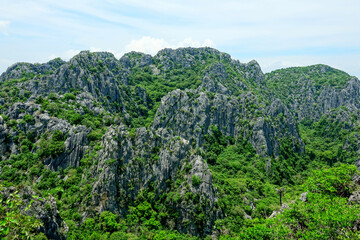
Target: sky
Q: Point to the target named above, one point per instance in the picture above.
(276, 33)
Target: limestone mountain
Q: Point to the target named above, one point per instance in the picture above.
(186, 143)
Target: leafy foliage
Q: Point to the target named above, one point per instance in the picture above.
(53, 146)
(14, 224)
(325, 214)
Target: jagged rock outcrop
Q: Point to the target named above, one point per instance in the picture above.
(314, 104)
(76, 145)
(303, 197)
(99, 74)
(127, 166)
(253, 71)
(354, 198)
(20, 70)
(134, 59)
(188, 57)
(190, 114)
(76, 141)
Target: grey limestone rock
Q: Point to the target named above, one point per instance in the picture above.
(354, 198)
(126, 166)
(311, 103)
(213, 79)
(303, 196)
(188, 57)
(19, 70)
(3, 133)
(253, 71)
(128, 162)
(76, 145)
(190, 114)
(133, 59)
(282, 208)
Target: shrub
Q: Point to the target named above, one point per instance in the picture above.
(52, 96)
(53, 147)
(108, 221)
(53, 108)
(95, 135)
(29, 119)
(196, 181)
(333, 181)
(69, 96)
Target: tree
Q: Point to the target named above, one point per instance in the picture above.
(280, 191)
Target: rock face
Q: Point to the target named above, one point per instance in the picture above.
(20, 70)
(128, 172)
(354, 198)
(303, 196)
(314, 104)
(75, 143)
(190, 115)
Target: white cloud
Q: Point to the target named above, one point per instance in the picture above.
(152, 45)
(147, 45)
(4, 25)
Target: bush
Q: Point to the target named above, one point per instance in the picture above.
(75, 118)
(53, 147)
(333, 181)
(39, 100)
(53, 108)
(95, 135)
(196, 181)
(14, 224)
(52, 96)
(69, 96)
(118, 236)
(108, 221)
(29, 119)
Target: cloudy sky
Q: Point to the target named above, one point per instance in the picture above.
(276, 33)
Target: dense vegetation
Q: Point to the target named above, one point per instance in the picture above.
(249, 187)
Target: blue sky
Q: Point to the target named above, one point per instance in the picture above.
(276, 33)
